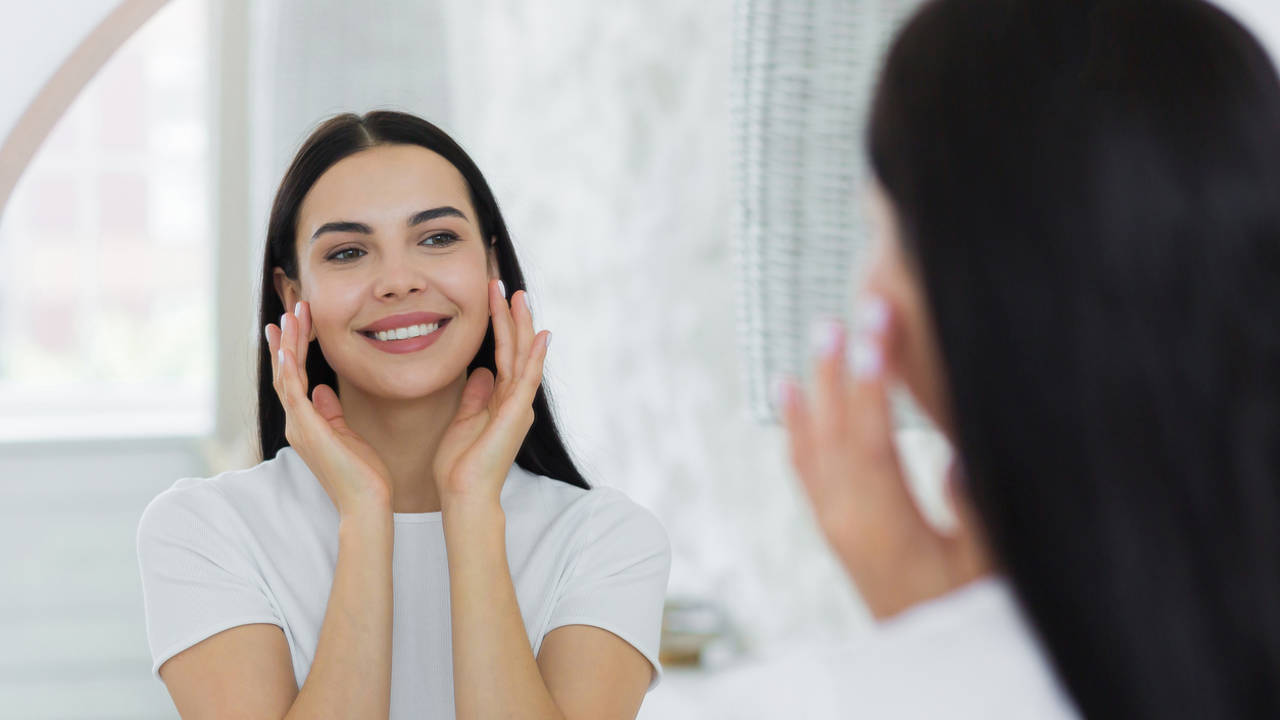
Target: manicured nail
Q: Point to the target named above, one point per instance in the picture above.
(502, 288)
(873, 315)
(283, 318)
(297, 309)
(280, 356)
(824, 336)
(865, 358)
(548, 339)
(266, 332)
(527, 305)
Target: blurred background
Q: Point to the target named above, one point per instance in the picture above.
(143, 141)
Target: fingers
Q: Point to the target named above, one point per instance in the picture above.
(475, 394)
(327, 404)
(289, 377)
(871, 418)
(515, 415)
(829, 411)
(798, 424)
(273, 343)
(303, 312)
(842, 437)
(522, 317)
(531, 375)
(503, 331)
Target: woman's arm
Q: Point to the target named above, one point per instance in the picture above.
(494, 671)
(582, 672)
(246, 671)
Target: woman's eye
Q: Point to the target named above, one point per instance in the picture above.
(342, 255)
(439, 240)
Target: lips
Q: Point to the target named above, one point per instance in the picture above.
(391, 322)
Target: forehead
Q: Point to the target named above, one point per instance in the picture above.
(383, 186)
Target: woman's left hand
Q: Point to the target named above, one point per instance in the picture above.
(842, 447)
(495, 414)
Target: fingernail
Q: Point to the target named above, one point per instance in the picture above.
(873, 315)
(266, 332)
(824, 336)
(283, 318)
(548, 339)
(297, 309)
(280, 356)
(502, 288)
(527, 305)
(865, 358)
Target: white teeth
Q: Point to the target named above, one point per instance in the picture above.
(407, 332)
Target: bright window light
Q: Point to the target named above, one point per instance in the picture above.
(106, 279)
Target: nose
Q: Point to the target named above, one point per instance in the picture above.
(398, 277)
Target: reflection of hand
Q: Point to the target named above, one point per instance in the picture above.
(842, 448)
(494, 416)
(348, 468)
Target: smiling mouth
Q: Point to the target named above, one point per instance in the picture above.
(406, 333)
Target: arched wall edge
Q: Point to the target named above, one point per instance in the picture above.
(53, 99)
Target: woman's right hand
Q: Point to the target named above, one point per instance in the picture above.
(348, 467)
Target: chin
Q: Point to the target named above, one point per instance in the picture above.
(410, 388)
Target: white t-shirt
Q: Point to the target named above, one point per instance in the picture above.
(260, 546)
(967, 655)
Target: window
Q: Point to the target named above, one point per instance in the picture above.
(106, 284)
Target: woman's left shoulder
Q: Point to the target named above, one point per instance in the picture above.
(601, 513)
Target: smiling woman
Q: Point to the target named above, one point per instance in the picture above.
(400, 406)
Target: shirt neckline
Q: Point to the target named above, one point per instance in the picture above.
(396, 517)
(421, 517)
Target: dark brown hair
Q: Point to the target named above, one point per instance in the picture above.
(1090, 192)
(543, 451)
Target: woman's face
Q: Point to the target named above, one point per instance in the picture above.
(387, 239)
(911, 352)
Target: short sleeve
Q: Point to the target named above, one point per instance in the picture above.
(196, 577)
(618, 581)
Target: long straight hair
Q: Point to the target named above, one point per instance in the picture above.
(1090, 195)
(543, 451)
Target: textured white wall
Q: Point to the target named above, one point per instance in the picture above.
(603, 129)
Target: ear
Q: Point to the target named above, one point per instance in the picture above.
(289, 293)
(491, 258)
(286, 289)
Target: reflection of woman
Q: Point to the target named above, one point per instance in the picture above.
(513, 590)
(1080, 282)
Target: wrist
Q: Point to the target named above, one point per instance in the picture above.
(366, 513)
(471, 505)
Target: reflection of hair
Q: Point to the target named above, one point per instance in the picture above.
(1090, 192)
(543, 451)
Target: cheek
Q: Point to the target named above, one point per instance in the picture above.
(334, 302)
(466, 283)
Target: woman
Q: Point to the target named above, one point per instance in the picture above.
(513, 589)
(1080, 284)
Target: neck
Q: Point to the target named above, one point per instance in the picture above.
(405, 434)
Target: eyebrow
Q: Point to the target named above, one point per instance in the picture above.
(424, 216)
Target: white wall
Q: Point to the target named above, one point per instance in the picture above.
(603, 129)
(71, 607)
